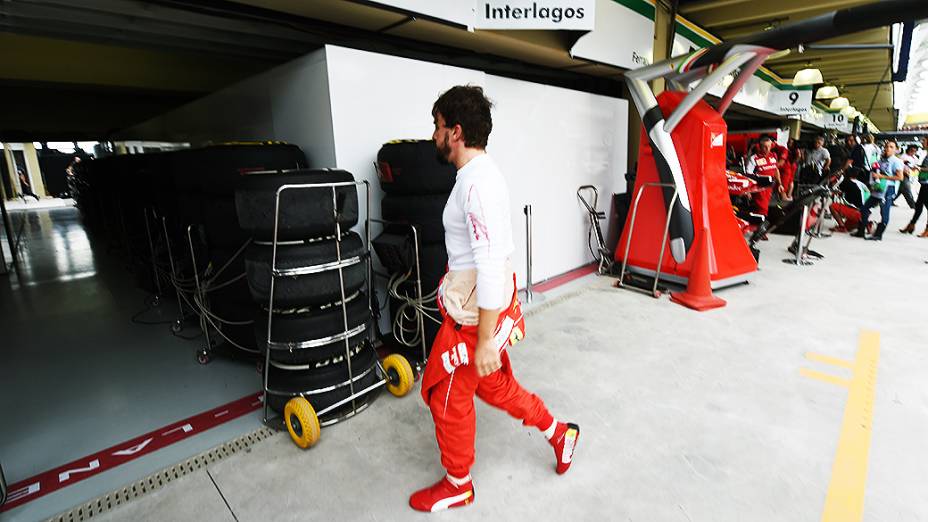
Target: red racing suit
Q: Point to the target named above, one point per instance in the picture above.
(450, 383)
(764, 165)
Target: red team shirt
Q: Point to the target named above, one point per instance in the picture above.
(763, 165)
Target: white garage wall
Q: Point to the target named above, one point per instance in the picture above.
(547, 140)
(340, 105)
(288, 103)
(376, 98)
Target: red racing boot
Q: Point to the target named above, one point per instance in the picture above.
(442, 495)
(564, 441)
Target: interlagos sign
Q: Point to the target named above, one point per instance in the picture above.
(535, 14)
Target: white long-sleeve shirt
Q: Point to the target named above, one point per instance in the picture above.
(478, 229)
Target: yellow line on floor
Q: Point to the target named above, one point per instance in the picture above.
(824, 377)
(827, 359)
(845, 499)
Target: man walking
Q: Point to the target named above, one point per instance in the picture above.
(477, 298)
(885, 177)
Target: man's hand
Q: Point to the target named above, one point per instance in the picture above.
(486, 358)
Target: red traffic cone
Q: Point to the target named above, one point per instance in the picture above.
(698, 295)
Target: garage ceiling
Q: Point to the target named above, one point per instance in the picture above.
(863, 76)
(83, 70)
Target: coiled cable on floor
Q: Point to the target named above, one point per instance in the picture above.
(406, 329)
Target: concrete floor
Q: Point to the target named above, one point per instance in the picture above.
(77, 376)
(685, 416)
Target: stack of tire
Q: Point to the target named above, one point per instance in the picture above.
(416, 185)
(320, 311)
(207, 179)
(173, 190)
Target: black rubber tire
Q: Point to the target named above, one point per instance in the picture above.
(221, 256)
(217, 169)
(305, 290)
(293, 382)
(220, 223)
(423, 211)
(433, 263)
(304, 213)
(233, 303)
(411, 168)
(310, 325)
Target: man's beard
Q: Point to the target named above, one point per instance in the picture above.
(443, 152)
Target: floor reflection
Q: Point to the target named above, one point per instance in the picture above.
(54, 247)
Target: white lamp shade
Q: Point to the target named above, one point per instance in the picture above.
(827, 92)
(839, 103)
(808, 77)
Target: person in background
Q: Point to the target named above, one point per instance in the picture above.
(871, 150)
(922, 201)
(25, 187)
(72, 167)
(819, 157)
(847, 212)
(839, 154)
(911, 170)
(886, 175)
(856, 153)
(764, 163)
(788, 166)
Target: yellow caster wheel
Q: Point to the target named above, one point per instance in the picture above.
(399, 374)
(302, 422)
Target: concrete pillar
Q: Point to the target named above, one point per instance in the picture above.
(33, 170)
(11, 172)
(795, 128)
(663, 25)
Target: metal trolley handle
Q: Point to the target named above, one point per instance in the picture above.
(339, 265)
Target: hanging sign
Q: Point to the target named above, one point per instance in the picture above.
(836, 120)
(578, 15)
(790, 101)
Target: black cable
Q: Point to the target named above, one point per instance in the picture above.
(187, 337)
(148, 306)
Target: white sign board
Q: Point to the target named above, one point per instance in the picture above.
(578, 15)
(620, 37)
(790, 101)
(836, 120)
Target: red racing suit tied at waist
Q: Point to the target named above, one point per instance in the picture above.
(454, 344)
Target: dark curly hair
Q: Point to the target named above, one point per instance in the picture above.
(467, 106)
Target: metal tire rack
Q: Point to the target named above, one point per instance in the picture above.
(197, 304)
(654, 291)
(383, 376)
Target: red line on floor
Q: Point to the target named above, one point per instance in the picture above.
(54, 479)
(565, 278)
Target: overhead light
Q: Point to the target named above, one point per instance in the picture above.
(839, 103)
(808, 77)
(826, 93)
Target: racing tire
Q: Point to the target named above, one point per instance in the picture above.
(411, 167)
(304, 213)
(305, 290)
